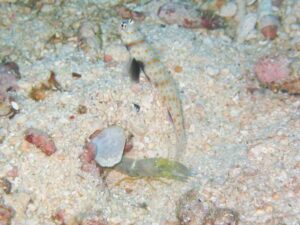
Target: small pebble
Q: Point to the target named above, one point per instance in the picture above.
(5, 108)
(269, 26)
(15, 105)
(213, 71)
(109, 145)
(228, 10)
(246, 27)
(90, 39)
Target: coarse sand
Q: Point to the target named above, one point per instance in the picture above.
(243, 145)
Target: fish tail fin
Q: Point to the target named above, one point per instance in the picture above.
(181, 142)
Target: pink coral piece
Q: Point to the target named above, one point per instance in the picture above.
(107, 58)
(6, 214)
(41, 140)
(13, 172)
(87, 159)
(272, 69)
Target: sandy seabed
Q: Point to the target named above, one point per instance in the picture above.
(243, 146)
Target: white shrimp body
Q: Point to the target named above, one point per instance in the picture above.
(159, 76)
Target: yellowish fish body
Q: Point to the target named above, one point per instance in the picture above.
(159, 76)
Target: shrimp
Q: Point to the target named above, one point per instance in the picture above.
(154, 168)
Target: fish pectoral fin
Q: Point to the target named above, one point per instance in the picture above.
(135, 70)
(142, 66)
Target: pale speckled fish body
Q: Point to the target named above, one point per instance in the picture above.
(159, 76)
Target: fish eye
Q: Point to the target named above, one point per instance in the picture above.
(124, 25)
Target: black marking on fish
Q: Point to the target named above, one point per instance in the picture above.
(136, 107)
(135, 70)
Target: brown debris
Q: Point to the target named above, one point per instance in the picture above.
(53, 83)
(5, 185)
(178, 69)
(82, 109)
(95, 133)
(211, 21)
(126, 13)
(41, 140)
(6, 214)
(57, 38)
(76, 75)
(39, 93)
(292, 87)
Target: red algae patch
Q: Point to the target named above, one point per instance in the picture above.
(87, 158)
(41, 140)
(6, 214)
(272, 69)
(107, 58)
